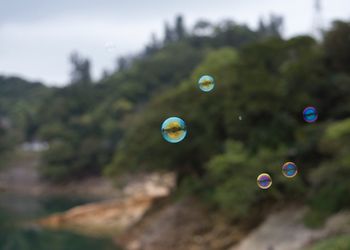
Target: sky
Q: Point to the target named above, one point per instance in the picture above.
(37, 37)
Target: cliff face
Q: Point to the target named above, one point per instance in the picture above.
(113, 216)
(183, 224)
(285, 230)
(145, 217)
(104, 218)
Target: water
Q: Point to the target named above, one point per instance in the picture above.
(18, 233)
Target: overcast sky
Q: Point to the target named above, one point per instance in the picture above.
(36, 36)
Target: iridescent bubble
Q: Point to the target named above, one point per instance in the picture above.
(206, 83)
(264, 181)
(289, 169)
(110, 46)
(174, 129)
(310, 114)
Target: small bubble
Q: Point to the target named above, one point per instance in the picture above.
(289, 169)
(310, 114)
(264, 181)
(110, 46)
(206, 83)
(173, 129)
(240, 118)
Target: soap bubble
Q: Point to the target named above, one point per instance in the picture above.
(206, 83)
(264, 181)
(110, 46)
(310, 114)
(289, 169)
(174, 129)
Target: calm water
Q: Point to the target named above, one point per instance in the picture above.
(17, 234)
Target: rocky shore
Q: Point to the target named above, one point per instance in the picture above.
(113, 216)
(140, 213)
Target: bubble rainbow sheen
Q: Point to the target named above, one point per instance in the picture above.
(173, 129)
(310, 114)
(206, 83)
(264, 181)
(289, 169)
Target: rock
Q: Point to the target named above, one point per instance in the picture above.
(151, 185)
(104, 218)
(285, 230)
(184, 224)
(113, 216)
(144, 217)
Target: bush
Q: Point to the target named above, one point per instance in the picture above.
(335, 243)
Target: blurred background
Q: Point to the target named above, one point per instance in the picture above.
(85, 87)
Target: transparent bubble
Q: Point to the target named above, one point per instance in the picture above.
(310, 114)
(264, 181)
(174, 129)
(289, 169)
(206, 83)
(110, 46)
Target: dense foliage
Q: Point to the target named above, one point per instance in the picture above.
(267, 83)
(86, 120)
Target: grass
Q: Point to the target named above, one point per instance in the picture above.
(335, 243)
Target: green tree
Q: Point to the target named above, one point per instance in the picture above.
(81, 69)
(180, 28)
(336, 46)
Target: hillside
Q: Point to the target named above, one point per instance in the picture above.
(252, 122)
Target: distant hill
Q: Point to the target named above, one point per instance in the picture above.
(15, 90)
(19, 100)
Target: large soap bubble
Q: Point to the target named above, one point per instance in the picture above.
(174, 129)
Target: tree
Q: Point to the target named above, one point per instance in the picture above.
(177, 33)
(180, 29)
(81, 69)
(168, 34)
(272, 28)
(122, 63)
(202, 27)
(150, 151)
(337, 46)
(153, 46)
(276, 25)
